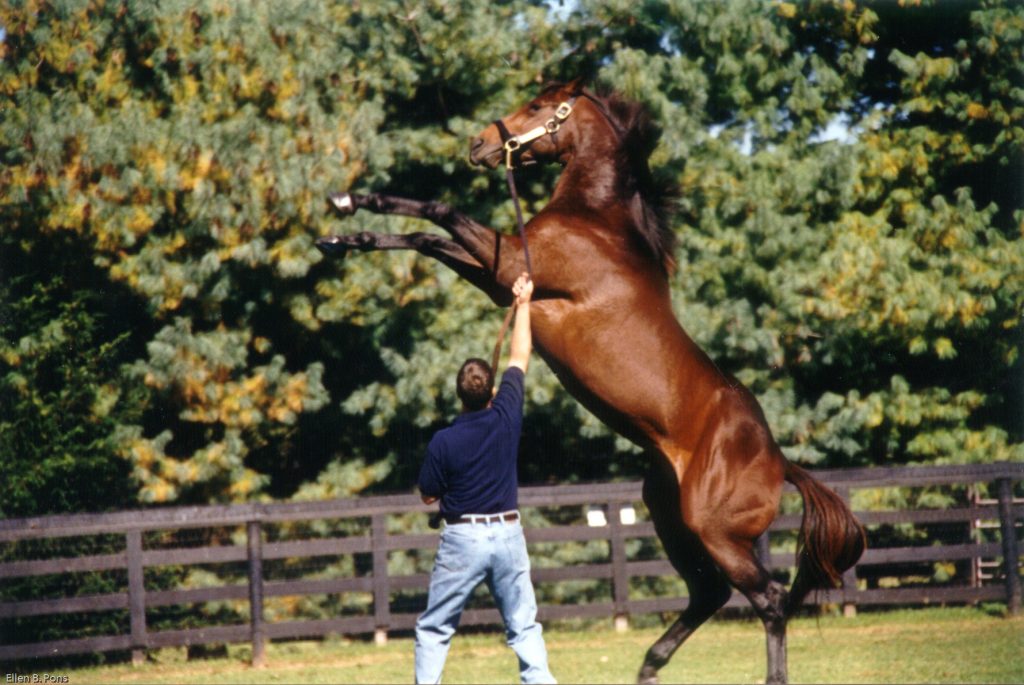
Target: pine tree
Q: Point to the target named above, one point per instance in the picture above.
(850, 226)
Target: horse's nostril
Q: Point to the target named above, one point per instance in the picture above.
(476, 144)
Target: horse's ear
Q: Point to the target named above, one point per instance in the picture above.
(576, 86)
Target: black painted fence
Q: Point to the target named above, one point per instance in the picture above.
(376, 544)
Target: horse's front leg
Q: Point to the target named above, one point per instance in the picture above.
(449, 253)
(502, 255)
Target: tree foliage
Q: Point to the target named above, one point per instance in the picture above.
(168, 325)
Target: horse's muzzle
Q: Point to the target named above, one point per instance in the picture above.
(480, 154)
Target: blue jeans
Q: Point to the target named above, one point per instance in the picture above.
(470, 553)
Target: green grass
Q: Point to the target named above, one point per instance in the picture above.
(961, 645)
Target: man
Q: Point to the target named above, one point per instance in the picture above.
(471, 468)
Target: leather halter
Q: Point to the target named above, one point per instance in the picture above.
(513, 143)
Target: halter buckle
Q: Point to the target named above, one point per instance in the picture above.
(563, 111)
(511, 145)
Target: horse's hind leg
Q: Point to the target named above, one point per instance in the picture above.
(709, 591)
(730, 495)
(767, 597)
(707, 586)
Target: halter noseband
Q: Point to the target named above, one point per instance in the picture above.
(513, 143)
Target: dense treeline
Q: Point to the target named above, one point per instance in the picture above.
(850, 225)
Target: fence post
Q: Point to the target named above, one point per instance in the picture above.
(136, 595)
(1011, 551)
(381, 584)
(254, 538)
(620, 576)
(850, 574)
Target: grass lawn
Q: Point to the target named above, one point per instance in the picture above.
(961, 645)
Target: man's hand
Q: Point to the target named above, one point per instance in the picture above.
(523, 289)
(428, 499)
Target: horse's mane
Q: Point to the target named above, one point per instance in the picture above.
(657, 197)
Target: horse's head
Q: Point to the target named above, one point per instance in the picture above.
(538, 131)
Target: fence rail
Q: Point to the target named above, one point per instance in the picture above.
(378, 543)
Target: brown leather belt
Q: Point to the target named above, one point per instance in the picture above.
(483, 518)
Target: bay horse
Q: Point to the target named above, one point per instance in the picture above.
(602, 320)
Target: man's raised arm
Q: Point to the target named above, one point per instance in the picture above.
(522, 336)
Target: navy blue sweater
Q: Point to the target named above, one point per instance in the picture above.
(471, 465)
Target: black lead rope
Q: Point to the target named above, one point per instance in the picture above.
(513, 144)
(550, 128)
(511, 180)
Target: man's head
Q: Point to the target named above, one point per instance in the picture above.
(475, 384)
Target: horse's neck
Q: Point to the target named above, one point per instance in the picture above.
(593, 180)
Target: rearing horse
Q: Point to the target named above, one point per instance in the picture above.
(602, 319)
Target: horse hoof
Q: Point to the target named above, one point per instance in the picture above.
(332, 245)
(342, 203)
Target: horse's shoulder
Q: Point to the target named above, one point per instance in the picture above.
(586, 225)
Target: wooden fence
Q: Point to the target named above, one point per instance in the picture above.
(613, 500)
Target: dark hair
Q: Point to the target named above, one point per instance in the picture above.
(475, 384)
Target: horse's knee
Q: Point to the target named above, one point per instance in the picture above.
(438, 212)
(364, 240)
(425, 241)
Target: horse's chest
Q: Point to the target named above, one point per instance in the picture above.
(575, 340)
(551, 322)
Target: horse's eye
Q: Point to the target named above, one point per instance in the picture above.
(534, 107)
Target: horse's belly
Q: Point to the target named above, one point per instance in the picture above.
(624, 368)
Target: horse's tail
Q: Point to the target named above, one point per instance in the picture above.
(831, 538)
